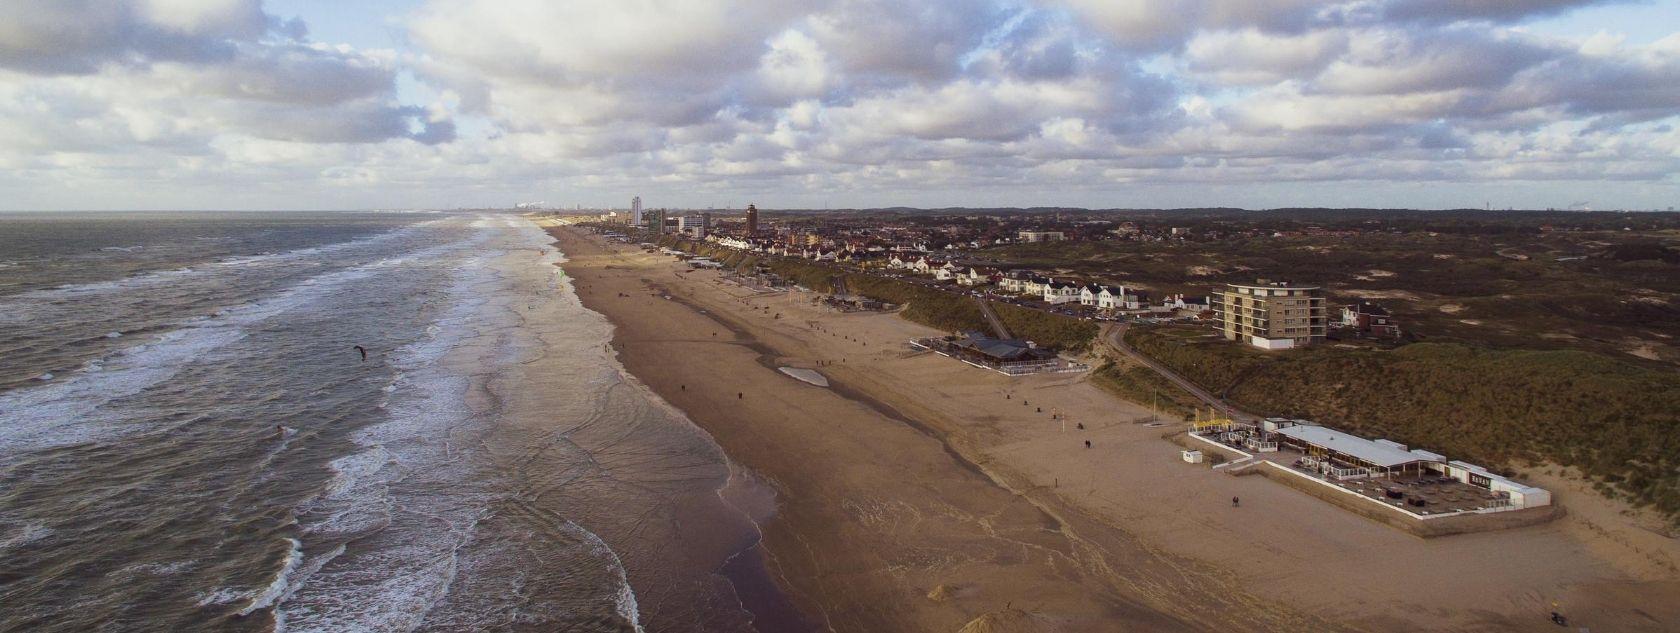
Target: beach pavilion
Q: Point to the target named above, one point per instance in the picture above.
(1346, 456)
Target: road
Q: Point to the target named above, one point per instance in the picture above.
(1115, 336)
(997, 324)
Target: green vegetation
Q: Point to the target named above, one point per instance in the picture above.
(1198, 354)
(1049, 330)
(1481, 279)
(1136, 383)
(923, 305)
(1616, 422)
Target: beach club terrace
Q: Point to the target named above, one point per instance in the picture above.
(1014, 357)
(1415, 481)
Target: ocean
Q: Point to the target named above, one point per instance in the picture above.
(190, 438)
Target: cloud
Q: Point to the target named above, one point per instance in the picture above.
(83, 81)
(867, 101)
(1251, 56)
(1489, 10)
(81, 36)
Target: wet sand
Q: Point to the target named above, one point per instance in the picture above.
(914, 474)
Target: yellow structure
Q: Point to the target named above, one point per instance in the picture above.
(1213, 423)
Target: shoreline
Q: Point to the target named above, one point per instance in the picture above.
(1165, 555)
(827, 545)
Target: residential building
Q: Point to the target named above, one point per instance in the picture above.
(1031, 236)
(1190, 304)
(1370, 318)
(636, 211)
(695, 225)
(1272, 315)
(976, 276)
(1035, 285)
(1014, 281)
(1108, 297)
(1059, 292)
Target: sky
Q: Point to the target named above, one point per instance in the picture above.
(311, 104)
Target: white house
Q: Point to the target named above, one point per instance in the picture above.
(975, 276)
(1014, 281)
(1088, 294)
(1117, 298)
(1057, 292)
(1035, 285)
(1108, 297)
(1181, 302)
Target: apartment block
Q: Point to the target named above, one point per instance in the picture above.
(1271, 315)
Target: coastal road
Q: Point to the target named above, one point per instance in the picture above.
(1115, 336)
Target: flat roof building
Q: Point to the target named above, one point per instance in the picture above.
(1030, 236)
(1271, 315)
(1352, 449)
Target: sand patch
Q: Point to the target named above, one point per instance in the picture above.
(1403, 295)
(1451, 308)
(1645, 350)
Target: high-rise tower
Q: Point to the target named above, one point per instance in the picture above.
(752, 220)
(636, 211)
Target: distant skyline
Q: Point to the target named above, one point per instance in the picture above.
(306, 104)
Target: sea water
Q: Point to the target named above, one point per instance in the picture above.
(191, 440)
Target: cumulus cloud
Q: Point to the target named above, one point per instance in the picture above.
(873, 100)
(89, 86)
(81, 36)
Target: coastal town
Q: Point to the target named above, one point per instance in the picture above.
(1409, 488)
(1089, 393)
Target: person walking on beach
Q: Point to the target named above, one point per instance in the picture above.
(1235, 502)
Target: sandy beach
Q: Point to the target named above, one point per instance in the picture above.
(917, 493)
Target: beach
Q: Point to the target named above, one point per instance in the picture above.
(918, 493)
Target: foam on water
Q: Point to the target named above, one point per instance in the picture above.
(425, 403)
(25, 534)
(294, 557)
(406, 544)
(66, 413)
(160, 277)
(624, 602)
